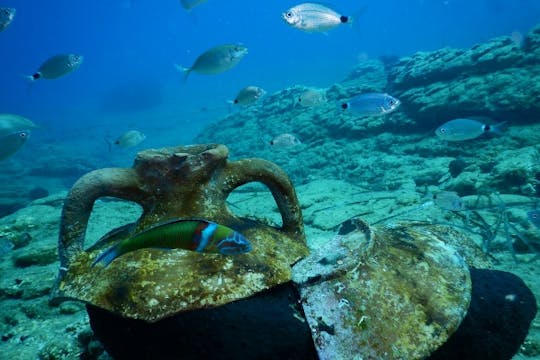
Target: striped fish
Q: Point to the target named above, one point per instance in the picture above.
(188, 234)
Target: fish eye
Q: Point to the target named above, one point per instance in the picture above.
(289, 14)
(443, 130)
(534, 216)
(23, 135)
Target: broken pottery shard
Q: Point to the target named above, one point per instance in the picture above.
(395, 292)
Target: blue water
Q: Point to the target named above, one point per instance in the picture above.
(133, 44)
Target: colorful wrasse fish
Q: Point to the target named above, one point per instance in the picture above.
(189, 234)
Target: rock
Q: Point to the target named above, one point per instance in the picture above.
(495, 78)
(42, 255)
(516, 168)
(38, 193)
(456, 166)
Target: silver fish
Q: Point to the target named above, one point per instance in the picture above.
(216, 60)
(190, 4)
(6, 17)
(449, 200)
(57, 66)
(312, 17)
(466, 129)
(285, 141)
(10, 123)
(534, 217)
(372, 104)
(248, 95)
(311, 98)
(130, 138)
(11, 143)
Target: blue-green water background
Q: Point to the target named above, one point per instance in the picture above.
(128, 80)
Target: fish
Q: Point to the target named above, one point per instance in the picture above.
(285, 141)
(449, 200)
(130, 138)
(6, 17)
(216, 60)
(313, 17)
(248, 95)
(311, 98)
(534, 217)
(189, 234)
(466, 129)
(11, 143)
(57, 66)
(372, 104)
(190, 4)
(10, 123)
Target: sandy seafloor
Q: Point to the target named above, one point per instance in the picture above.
(32, 329)
(342, 169)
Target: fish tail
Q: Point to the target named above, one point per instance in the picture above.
(109, 143)
(32, 78)
(499, 128)
(353, 19)
(181, 69)
(108, 256)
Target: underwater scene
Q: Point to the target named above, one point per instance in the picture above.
(204, 179)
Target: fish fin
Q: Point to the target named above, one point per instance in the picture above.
(230, 106)
(107, 257)
(499, 128)
(32, 78)
(183, 70)
(109, 143)
(482, 119)
(353, 19)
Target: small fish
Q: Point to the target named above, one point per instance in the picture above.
(466, 129)
(188, 234)
(190, 4)
(10, 123)
(11, 143)
(534, 217)
(57, 66)
(449, 200)
(216, 60)
(312, 17)
(311, 98)
(6, 17)
(372, 104)
(285, 141)
(248, 95)
(130, 138)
